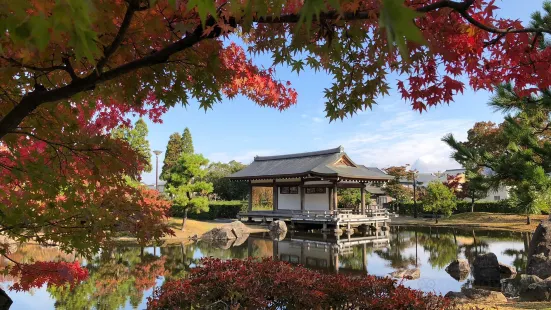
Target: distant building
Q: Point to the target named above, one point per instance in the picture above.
(161, 186)
(423, 179)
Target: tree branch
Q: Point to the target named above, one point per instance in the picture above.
(132, 7)
(34, 99)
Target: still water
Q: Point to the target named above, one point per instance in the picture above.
(123, 278)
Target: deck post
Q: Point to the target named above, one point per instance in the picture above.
(335, 198)
(274, 199)
(301, 189)
(329, 197)
(250, 208)
(363, 198)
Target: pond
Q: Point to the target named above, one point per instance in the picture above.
(123, 277)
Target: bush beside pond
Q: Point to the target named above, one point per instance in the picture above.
(217, 209)
(268, 284)
(502, 206)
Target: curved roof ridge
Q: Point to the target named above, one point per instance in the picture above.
(336, 150)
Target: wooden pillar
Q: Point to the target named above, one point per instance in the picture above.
(250, 208)
(301, 189)
(335, 198)
(363, 199)
(330, 202)
(276, 194)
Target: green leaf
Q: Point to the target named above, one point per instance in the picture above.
(39, 31)
(397, 20)
(204, 8)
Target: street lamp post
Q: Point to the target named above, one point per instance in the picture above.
(414, 197)
(157, 153)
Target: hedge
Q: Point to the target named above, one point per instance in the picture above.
(465, 206)
(217, 209)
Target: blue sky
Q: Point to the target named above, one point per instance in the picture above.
(389, 134)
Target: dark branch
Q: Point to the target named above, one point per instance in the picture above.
(110, 50)
(34, 99)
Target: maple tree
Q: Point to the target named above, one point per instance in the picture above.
(72, 71)
(394, 188)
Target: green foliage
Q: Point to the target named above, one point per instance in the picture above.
(524, 163)
(173, 150)
(184, 183)
(187, 142)
(74, 17)
(398, 19)
(502, 206)
(217, 209)
(351, 198)
(136, 137)
(439, 199)
(223, 187)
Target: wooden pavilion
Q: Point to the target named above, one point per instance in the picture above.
(305, 189)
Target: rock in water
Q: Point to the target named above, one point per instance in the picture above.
(278, 227)
(539, 262)
(456, 296)
(486, 269)
(507, 271)
(239, 229)
(230, 231)
(480, 295)
(219, 233)
(521, 286)
(409, 274)
(5, 300)
(459, 269)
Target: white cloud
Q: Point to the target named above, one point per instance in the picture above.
(406, 138)
(243, 157)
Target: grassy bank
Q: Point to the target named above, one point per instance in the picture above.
(511, 222)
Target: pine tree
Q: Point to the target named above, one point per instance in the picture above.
(187, 142)
(185, 187)
(173, 151)
(136, 137)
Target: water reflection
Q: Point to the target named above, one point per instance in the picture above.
(123, 277)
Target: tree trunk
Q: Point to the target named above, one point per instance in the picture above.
(435, 217)
(184, 220)
(528, 221)
(472, 204)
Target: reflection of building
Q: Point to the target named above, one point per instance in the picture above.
(320, 251)
(305, 188)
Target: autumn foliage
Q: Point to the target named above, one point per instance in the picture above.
(267, 284)
(37, 274)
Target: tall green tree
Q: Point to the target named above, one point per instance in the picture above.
(225, 189)
(136, 137)
(525, 162)
(439, 199)
(187, 142)
(173, 151)
(185, 187)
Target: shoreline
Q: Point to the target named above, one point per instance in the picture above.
(475, 220)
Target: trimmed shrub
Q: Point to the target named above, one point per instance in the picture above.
(501, 206)
(217, 209)
(268, 284)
